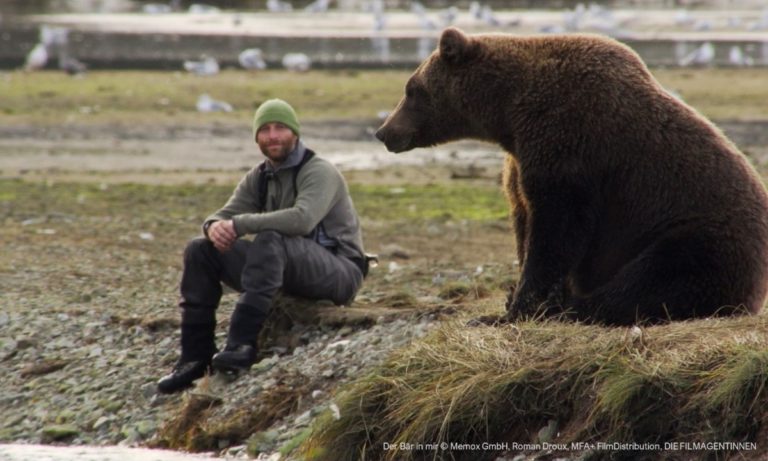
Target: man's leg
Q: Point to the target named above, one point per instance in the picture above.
(299, 266)
(204, 270)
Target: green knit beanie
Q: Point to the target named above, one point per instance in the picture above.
(276, 110)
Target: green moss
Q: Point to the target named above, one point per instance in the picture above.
(295, 442)
(194, 202)
(441, 202)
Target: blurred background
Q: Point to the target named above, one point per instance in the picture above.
(359, 33)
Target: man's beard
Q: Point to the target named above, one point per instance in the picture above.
(277, 155)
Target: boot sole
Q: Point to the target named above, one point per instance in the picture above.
(230, 368)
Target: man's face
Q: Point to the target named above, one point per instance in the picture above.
(276, 141)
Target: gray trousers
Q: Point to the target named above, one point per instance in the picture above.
(258, 269)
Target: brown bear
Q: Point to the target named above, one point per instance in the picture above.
(627, 204)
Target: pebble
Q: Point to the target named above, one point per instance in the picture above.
(106, 394)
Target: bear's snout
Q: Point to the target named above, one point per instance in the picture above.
(394, 140)
(380, 135)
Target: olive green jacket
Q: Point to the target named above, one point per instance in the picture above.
(323, 200)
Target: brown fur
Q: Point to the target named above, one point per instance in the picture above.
(627, 204)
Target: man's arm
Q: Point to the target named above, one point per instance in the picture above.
(241, 201)
(319, 185)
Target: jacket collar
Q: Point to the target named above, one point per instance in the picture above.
(293, 159)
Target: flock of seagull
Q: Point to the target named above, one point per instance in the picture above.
(53, 41)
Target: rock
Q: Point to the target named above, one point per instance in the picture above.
(59, 432)
(148, 390)
(146, 428)
(103, 421)
(303, 419)
(262, 442)
(8, 347)
(96, 351)
(338, 346)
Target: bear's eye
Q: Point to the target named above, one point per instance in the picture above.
(414, 91)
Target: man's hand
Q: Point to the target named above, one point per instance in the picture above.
(222, 234)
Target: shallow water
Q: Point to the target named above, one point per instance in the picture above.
(19, 452)
(223, 153)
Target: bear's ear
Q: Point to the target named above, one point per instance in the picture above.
(456, 46)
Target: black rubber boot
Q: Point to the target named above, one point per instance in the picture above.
(198, 334)
(183, 375)
(197, 347)
(241, 350)
(235, 359)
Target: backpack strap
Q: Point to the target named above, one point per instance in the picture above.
(266, 175)
(307, 157)
(264, 178)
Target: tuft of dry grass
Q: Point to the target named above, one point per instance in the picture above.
(194, 427)
(697, 381)
(185, 430)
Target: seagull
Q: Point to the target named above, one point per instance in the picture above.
(572, 19)
(54, 36)
(702, 25)
(71, 65)
(381, 48)
(762, 23)
(318, 6)
(252, 59)
(737, 57)
(279, 6)
(475, 10)
(683, 18)
(201, 8)
(379, 19)
(207, 104)
(379, 22)
(297, 62)
(207, 66)
(37, 58)
(418, 8)
(486, 14)
(424, 22)
(703, 55)
(156, 8)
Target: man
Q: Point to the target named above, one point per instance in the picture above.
(307, 243)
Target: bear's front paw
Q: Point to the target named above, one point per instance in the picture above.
(519, 306)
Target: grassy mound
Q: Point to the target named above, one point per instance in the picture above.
(548, 382)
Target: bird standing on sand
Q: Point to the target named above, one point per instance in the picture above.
(252, 59)
(37, 58)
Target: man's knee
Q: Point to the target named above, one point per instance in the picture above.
(198, 249)
(268, 237)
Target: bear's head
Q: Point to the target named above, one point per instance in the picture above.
(434, 109)
(504, 88)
